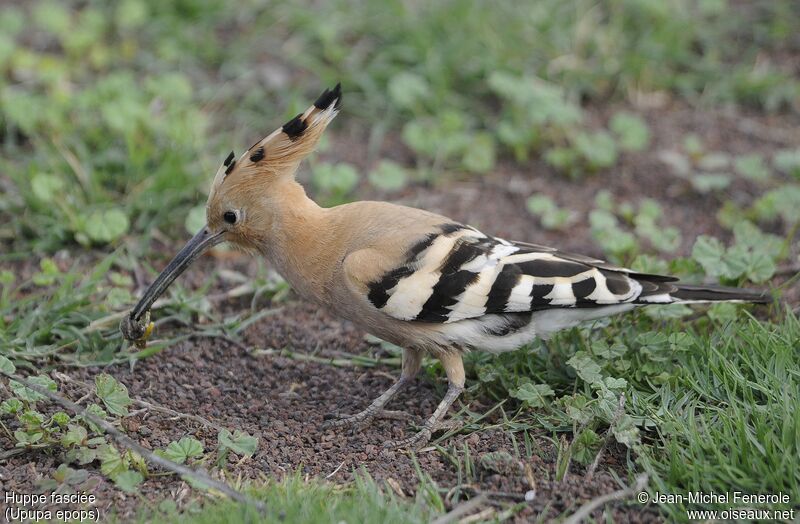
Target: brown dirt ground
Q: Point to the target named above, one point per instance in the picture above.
(283, 400)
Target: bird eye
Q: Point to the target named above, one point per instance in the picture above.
(230, 217)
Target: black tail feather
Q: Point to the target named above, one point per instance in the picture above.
(719, 293)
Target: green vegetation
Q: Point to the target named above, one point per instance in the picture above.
(706, 405)
(296, 500)
(83, 442)
(114, 116)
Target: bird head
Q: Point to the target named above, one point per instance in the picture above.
(240, 206)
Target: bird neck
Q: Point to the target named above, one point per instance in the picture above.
(302, 241)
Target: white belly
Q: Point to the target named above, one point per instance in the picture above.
(477, 333)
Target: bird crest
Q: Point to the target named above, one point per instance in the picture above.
(280, 153)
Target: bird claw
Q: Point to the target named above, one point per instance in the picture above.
(450, 425)
(414, 442)
(340, 420)
(419, 440)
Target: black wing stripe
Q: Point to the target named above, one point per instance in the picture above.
(497, 301)
(449, 229)
(379, 291)
(617, 283)
(465, 250)
(590, 261)
(549, 267)
(419, 247)
(444, 295)
(538, 292)
(584, 288)
(452, 281)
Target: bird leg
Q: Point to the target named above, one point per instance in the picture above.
(412, 361)
(454, 367)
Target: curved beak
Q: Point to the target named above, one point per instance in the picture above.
(203, 240)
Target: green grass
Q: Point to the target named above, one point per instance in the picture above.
(294, 499)
(733, 417)
(712, 406)
(114, 115)
(71, 317)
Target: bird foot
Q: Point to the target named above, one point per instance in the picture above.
(414, 442)
(449, 425)
(419, 440)
(339, 420)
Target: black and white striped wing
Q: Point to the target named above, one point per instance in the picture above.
(459, 273)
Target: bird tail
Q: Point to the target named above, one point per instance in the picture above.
(701, 293)
(676, 292)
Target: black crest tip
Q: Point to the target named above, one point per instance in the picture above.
(328, 97)
(257, 155)
(295, 127)
(229, 164)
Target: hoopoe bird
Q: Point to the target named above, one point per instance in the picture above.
(417, 279)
